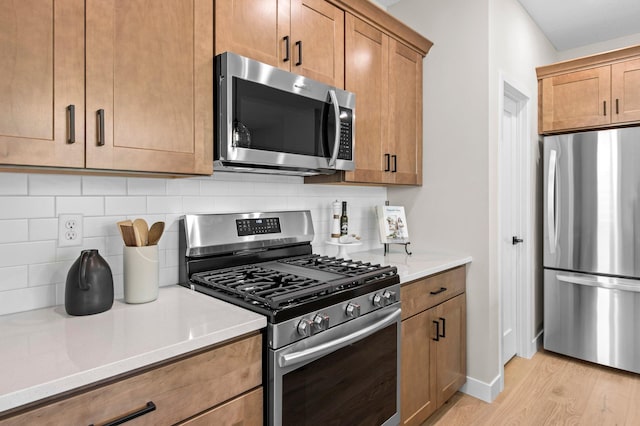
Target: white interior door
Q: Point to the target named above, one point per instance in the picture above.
(510, 226)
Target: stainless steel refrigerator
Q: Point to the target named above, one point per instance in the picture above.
(591, 258)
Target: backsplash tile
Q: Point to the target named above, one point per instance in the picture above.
(33, 268)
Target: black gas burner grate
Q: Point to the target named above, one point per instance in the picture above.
(352, 268)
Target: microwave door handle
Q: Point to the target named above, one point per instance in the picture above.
(336, 142)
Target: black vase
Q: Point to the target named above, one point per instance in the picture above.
(89, 288)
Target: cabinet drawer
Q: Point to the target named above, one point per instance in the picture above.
(245, 410)
(179, 389)
(423, 294)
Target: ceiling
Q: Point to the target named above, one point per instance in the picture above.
(574, 23)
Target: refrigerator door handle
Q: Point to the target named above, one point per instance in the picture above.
(610, 283)
(552, 222)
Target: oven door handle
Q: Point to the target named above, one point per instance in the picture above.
(287, 360)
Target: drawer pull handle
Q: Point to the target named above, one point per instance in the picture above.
(442, 289)
(437, 338)
(147, 409)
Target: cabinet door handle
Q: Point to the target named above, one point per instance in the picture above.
(299, 44)
(287, 46)
(437, 338)
(442, 289)
(100, 127)
(617, 110)
(443, 325)
(604, 107)
(147, 409)
(71, 111)
(387, 158)
(395, 163)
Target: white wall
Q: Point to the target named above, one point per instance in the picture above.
(457, 207)
(591, 49)
(33, 269)
(451, 210)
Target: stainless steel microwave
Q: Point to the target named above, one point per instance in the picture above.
(272, 121)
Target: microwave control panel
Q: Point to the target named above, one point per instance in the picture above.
(346, 134)
(269, 225)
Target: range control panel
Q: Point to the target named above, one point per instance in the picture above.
(269, 225)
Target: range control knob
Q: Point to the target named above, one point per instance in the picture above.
(320, 322)
(389, 296)
(378, 301)
(353, 310)
(305, 327)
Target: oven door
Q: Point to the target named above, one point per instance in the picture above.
(347, 375)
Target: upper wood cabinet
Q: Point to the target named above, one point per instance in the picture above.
(301, 36)
(592, 92)
(148, 87)
(42, 83)
(386, 76)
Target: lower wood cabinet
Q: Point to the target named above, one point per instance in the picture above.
(218, 386)
(433, 343)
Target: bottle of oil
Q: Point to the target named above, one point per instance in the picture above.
(344, 220)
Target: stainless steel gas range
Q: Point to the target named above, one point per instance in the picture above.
(332, 343)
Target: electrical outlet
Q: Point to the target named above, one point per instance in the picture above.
(69, 230)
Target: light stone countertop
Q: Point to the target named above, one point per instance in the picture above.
(418, 265)
(45, 352)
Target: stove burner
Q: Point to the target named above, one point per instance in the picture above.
(265, 285)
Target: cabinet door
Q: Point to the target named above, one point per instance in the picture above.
(451, 350)
(405, 116)
(246, 410)
(575, 100)
(317, 37)
(150, 70)
(41, 74)
(418, 380)
(366, 67)
(625, 91)
(255, 29)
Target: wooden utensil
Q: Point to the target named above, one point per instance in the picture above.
(141, 230)
(155, 232)
(123, 222)
(128, 235)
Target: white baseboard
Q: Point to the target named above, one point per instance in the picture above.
(481, 390)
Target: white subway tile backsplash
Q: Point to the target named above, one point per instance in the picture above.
(45, 184)
(48, 273)
(14, 184)
(125, 205)
(16, 254)
(87, 206)
(33, 269)
(12, 231)
(43, 229)
(24, 299)
(164, 204)
(12, 278)
(142, 186)
(104, 185)
(187, 186)
(26, 207)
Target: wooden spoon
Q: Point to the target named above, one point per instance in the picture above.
(155, 232)
(128, 235)
(123, 222)
(141, 230)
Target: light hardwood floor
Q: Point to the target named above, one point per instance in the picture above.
(551, 389)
